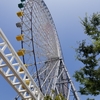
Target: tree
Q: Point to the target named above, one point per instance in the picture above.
(57, 97)
(47, 97)
(89, 54)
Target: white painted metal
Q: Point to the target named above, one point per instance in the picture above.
(9, 68)
(72, 89)
(46, 70)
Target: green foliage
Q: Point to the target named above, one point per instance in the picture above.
(58, 97)
(89, 54)
(91, 25)
(47, 97)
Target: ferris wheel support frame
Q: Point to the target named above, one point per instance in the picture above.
(71, 88)
(60, 58)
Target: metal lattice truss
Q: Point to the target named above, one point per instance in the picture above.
(10, 66)
(41, 70)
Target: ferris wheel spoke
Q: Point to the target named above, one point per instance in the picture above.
(49, 74)
(41, 70)
(51, 46)
(48, 87)
(44, 51)
(47, 45)
(40, 23)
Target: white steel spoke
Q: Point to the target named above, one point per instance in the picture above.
(49, 74)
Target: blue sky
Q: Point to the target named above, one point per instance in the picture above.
(66, 15)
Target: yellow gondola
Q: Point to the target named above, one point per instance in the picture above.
(20, 14)
(21, 52)
(20, 37)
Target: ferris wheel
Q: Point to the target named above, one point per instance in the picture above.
(40, 48)
(42, 63)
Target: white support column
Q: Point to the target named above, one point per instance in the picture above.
(71, 83)
(55, 77)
